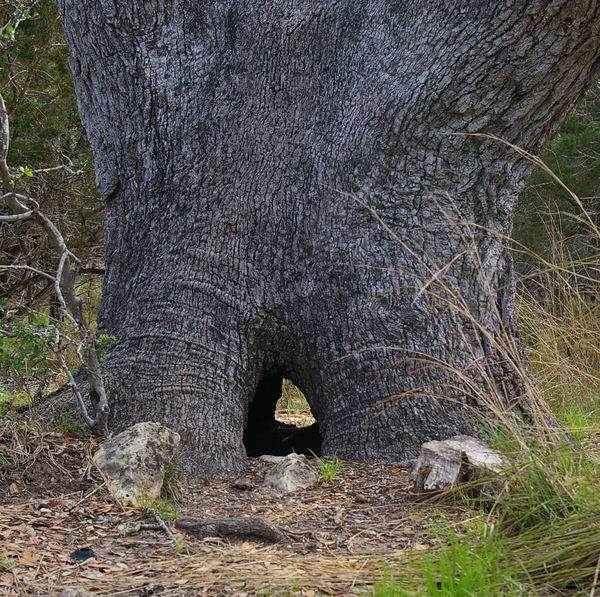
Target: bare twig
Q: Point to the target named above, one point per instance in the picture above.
(21, 12)
(5, 176)
(74, 387)
(28, 268)
(16, 217)
(60, 570)
(65, 167)
(161, 523)
(12, 195)
(64, 282)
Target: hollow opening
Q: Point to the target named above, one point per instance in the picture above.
(280, 421)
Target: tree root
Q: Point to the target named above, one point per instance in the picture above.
(254, 526)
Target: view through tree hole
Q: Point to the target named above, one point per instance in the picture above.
(280, 421)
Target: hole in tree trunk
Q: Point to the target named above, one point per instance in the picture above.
(280, 421)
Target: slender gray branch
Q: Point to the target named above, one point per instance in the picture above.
(162, 525)
(5, 177)
(73, 385)
(66, 168)
(58, 289)
(21, 11)
(18, 196)
(64, 282)
(39, 272)
(16, 217)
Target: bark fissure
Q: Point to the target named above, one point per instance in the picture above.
(294, 183)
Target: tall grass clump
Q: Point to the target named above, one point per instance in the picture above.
(549, 515)
(540, 534)
(551, 512)
(559, 311)
(466, 564)
(547, 519)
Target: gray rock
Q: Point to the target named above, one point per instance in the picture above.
(136, 460)
(460, 459)
(292, 473)
(75, 592)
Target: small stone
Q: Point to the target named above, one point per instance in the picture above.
(292, 473)
(243, 484)
(82, 554)
(75, 592)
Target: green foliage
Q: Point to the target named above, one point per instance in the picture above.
(468, 563)
(558, 559)
(390, 586)
(164, 507)
(465, 566)
(24, 171)
(552, 481)
(12, 14)
(574, 156)
(66, 424)
(562, 335)
(25, 345)
(580, 421)
(36, 84)
(8, 403)
(182, 549)
(103, 342)
(7, 563)
(542, 538)
(171, 489)
(292, 399)
(330, 467)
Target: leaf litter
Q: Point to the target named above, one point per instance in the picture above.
(343, 535)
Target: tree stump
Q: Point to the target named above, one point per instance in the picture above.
(460, 459)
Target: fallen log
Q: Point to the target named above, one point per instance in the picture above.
(249, 526)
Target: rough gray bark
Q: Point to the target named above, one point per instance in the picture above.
(293, 189)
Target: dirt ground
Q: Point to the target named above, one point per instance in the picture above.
(342, 535)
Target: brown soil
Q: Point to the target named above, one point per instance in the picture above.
(342, 535)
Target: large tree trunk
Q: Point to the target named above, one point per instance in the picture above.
(296, 189)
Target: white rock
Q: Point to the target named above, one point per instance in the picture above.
(136, 460)
(292, 473)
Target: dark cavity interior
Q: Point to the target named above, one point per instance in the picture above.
(266, 435)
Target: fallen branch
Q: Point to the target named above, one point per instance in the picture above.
(161, 524)
(253, 526)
